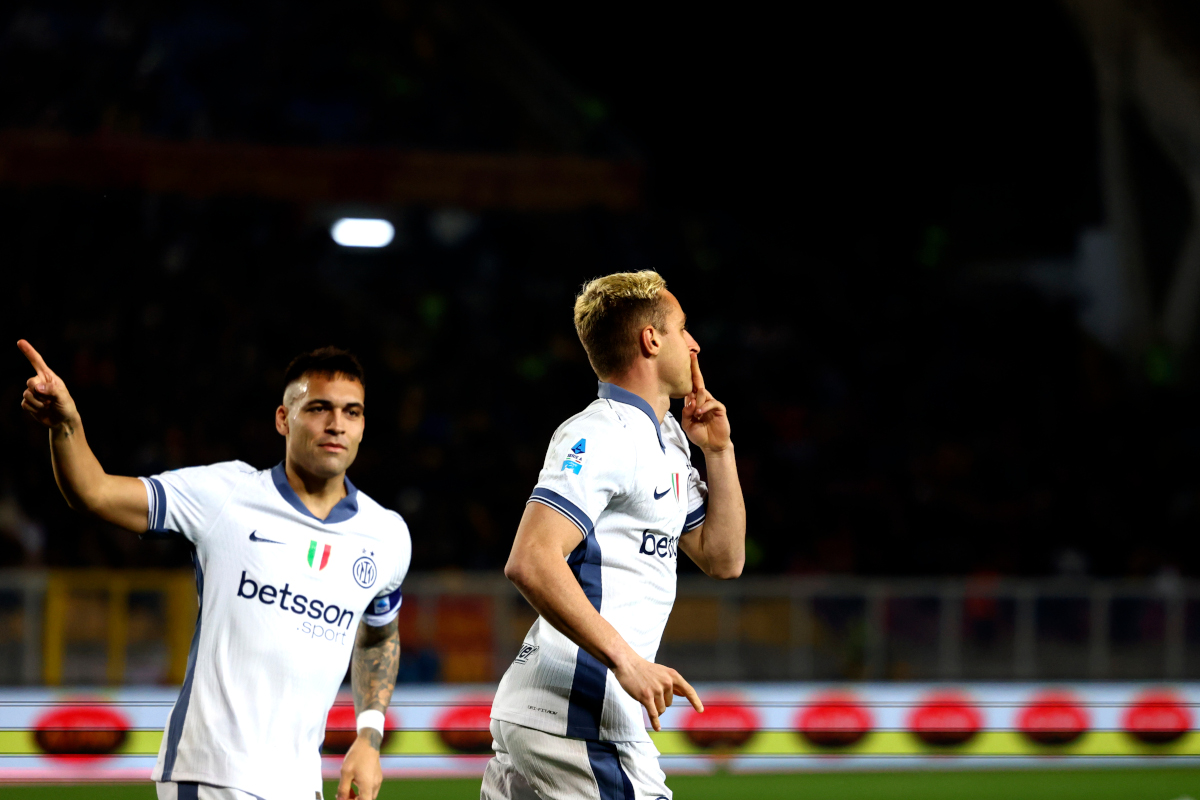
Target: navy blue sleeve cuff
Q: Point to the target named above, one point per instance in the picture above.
(695, 518)
(157, 519)
(383, 609)
(563, 506)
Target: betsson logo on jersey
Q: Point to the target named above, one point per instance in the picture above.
(318, 610)
(662, 546)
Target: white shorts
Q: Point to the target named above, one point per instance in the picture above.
(535, 765)
(185, 790)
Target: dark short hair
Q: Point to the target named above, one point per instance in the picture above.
(325, 361)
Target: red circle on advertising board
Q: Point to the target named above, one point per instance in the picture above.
(1053, 718)
(341, 728)
(945, 720)
(1157, 717)
(724, 723)
(465, 728)
(834, 721)
(81, 730)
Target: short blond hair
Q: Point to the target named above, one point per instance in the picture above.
(609, 313)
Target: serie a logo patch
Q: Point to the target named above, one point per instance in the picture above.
(574, 459)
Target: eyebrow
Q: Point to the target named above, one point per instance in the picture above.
(324, 402)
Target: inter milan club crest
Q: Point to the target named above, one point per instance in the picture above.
(318, 555)
(365, 571)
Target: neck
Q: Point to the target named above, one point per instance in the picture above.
(645, 384)
(318, 494)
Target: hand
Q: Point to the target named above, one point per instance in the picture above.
(46, 397)
(704, 418)
(655, 686)
(361, 769)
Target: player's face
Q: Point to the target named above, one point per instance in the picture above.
(324, 424)
(675, 357)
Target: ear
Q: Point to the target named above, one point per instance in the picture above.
(281, 420)
(649, 342)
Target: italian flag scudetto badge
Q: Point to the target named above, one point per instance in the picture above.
(318, 555)
(677, 484)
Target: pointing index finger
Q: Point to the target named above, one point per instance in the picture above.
(684, 688)
(35, 358)
(697, 378)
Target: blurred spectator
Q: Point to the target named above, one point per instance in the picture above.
(896, 411)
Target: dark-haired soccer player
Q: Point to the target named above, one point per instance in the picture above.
(596, 552)
(297, 573)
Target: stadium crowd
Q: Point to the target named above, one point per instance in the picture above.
(896, 413)
(893, 417)
(408, 73)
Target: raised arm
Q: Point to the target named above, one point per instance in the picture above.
(538, 568)
(719, 545)
(373, 677)
(81, 479)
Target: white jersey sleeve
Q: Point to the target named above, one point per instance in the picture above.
(584, 470)
(697, 494)
(189, 500)
(386, 605)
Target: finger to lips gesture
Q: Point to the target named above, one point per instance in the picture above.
(704, 419)
(45, 397)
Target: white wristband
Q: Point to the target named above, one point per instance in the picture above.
(371, 719)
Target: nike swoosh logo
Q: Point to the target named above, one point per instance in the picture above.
(658, 494)
(254, 538)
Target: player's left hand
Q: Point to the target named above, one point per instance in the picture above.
(704, 419)
(360, 770)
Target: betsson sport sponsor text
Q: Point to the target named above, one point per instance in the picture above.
(301, 606)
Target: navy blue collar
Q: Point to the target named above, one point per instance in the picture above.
(346, 508)
(610, 391)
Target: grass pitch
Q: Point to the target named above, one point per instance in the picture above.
(1109, 784)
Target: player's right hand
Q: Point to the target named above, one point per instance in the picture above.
(46, 397)
(654, 686)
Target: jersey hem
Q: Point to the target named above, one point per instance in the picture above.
(530, 721)
(223, 783)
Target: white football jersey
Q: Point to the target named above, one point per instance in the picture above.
(281, 596)
(628, 484)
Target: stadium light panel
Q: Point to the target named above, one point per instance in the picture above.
(358, 232)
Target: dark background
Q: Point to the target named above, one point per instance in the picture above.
(825, 191)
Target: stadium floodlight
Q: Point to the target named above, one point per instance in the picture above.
(359, 232)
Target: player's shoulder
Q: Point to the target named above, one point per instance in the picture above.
(220, 472)
(600, 417)
(599, 431)
(235, 468)
(379, 514)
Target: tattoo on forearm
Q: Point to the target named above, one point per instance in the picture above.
(373, 669)
(63, 431)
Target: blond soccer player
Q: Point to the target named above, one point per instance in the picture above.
(617, 500)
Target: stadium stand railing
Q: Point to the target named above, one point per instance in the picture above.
(96, 627)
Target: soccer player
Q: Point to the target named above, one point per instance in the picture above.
(297, 573)
(596, 551)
